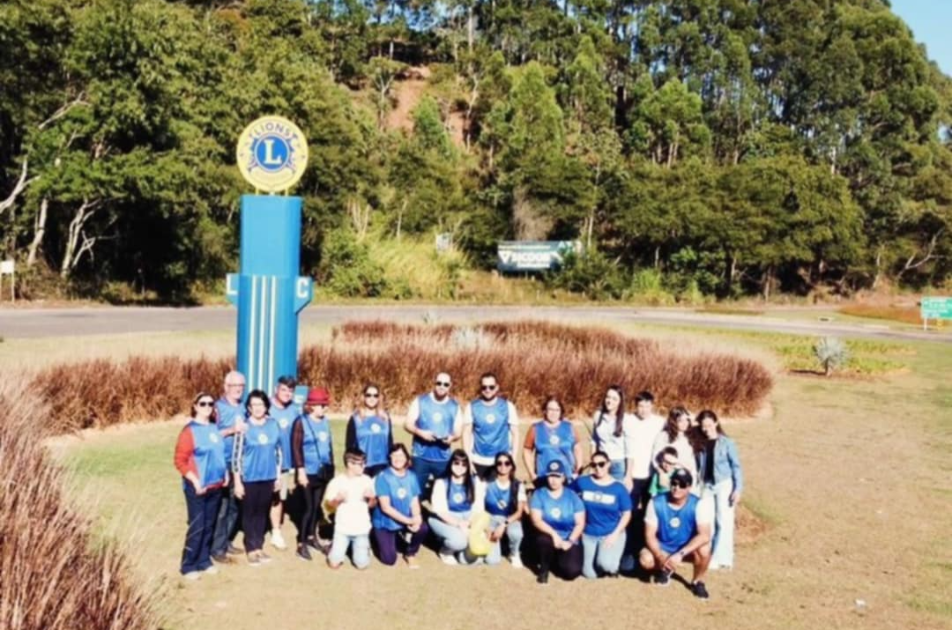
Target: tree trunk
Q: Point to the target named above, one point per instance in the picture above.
(73, 247)
(39, 231)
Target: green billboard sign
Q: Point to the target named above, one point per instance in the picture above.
(936, 308)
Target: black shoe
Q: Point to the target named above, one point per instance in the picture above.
(662, 578)
(543, 577)
(313, 544)
(235, 551)
(303, 553)
(699, 590)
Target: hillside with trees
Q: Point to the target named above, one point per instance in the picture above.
(715, 147)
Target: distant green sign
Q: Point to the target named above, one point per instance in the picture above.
(533, 256)
(936, 308)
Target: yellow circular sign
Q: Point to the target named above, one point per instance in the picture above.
(272, 154)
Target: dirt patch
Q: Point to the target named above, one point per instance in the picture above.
(407, 93)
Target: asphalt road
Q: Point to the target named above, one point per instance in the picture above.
(26, 323)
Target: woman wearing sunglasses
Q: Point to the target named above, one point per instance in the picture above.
(607, 514)
(256, 469)
(505, 504)
(554, 438)
(456, 496)
(558, 516)
(200, 458)
(370, 431)
(675, 434)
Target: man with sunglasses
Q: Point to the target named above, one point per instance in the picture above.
(435, 422)
(489, 426)
(678, 527)
(230, 421)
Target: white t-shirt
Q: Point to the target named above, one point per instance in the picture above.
(643, 434)
(352, 517)
(704, 514)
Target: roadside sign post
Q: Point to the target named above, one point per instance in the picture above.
(269, 293)
(935, 308)
(532, 256)
(8, 268)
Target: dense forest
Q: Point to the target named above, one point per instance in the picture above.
(728, 147)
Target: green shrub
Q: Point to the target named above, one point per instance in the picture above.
(346, 268)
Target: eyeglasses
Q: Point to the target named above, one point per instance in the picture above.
(555, 409)
(369, 395)
(503, 464)
(442, 383)
(205, 403)
(234, 384)
(356, 462)
(599, 464)
(488, 388)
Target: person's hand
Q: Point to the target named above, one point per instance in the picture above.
(671, 562)
(341, 497)
(628, 483)
(426, 436)
(302, 478)
(241, 426)
(565, 545)
(277, 485)
(498, 533)
(556, 541)
(414, 525)
(239, 489)
(199, 488)
(368, 494)
(463, 526)
(734, 498)
(610, 540)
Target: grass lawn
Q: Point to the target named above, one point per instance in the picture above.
(849, 479)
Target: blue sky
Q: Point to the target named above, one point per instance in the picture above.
(931, 22)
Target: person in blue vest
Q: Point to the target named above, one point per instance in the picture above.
(722, 480)
(312, 456)
(256, 467)
(435, 421)
(398, 516)
(285, 412)
(230, 421)
(607, 513)
(506, 504)
(457, 495)
(678, 528)
(554, 438)
(200, 459)
(558, 516)
(489, 426)
(370, 431)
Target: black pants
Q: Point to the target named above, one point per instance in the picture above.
(484, 471)
(566, 564)
(202, 514)
(256, 508)
(636, 528)
(313, 497)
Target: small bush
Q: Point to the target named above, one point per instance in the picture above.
(831, 353)
(346, 268)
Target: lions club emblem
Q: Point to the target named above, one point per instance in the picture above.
(555, 512)
(272, 154)
(375, 428)
(213, 438)
(675, 522)
(490, 418)
(262, 438)
(402, 493)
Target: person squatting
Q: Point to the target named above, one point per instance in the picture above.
(655, 495)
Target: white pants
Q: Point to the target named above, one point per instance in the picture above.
(723, 545)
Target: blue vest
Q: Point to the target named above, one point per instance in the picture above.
(675, 527)
(317, 443)
(456, 498)
(438, 418)
(401, 491)
(259, 457)
(373, 438)
(227, 414)
(490, 427)
(285, 418)
(500, 502)
(208, 453)
(554, 444)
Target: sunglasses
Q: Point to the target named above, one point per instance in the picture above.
(459, 462)
(599, 464)
(205, 403)
(236, 384)
(488, 388)
(442, 383)
(503, 464)
(678, 484)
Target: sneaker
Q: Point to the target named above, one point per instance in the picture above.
(303, 553)
(662, 578)
(234, 550)
(263, 557)
(447, 557)
(222, 558)
(516, 561)
(192, 576)
(277, 540)
(543, 577)
(212, 570)
(412, 562)
(313, 543)
(253, 559)
(699, 590)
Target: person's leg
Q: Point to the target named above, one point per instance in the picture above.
(276, 514)
(494, 556)
(515, 534)
(608, 558)
(386, 543)
(701, 559)
(589, 549)
(310, 513)
(617, 469)
(191, 553)
(210, 503)
(545, 550)
(636, 528)
(338, 551)
(257, 506)
(360, 550)
(416, 540)
(723, 545)
(484, 470)
(647, 560)
(225, 522)
(319, 487)
(451, 538)
(569, 562)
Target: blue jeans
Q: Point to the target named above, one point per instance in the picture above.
(227, 522)
(617, 469)
(513, 533)
(597, 557)
(359, 545)
(451, 537)
(424, 469)
(202, 514)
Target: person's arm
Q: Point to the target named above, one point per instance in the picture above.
(439, 506)
(369, 492)
(416, 518)
(389, 433)
(576, 534)
(528, 453)
(333, 496)
(705, 528)
(297, 447)
(737, 473)
(184, 459)
(659, 443)
(237, 462)
(350, 439)
(513, 425)
(542, 527)
(387, 508)
(521, 504)
(410, 424)
(577, 449)
(651, 535)
(468, 439)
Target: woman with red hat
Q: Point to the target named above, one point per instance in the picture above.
(312, 456)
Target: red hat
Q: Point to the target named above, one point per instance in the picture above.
(318, 396)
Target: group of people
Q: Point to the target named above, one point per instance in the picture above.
(652, 492)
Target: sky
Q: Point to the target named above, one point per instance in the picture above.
(931, 23)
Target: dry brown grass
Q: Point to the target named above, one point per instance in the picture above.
(53, 574)
(892, 312)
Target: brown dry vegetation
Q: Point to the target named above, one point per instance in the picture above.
(52, 575)
(892, 312)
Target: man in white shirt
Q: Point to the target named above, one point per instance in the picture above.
(642, 433)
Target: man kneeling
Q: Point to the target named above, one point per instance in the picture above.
(678, 527)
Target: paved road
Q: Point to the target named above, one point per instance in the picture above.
(22, 323)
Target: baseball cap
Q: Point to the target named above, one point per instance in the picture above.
(682, 476)
(555, 468)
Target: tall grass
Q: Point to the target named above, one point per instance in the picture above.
(52, 575)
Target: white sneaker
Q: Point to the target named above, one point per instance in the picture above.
(212, 570)
(277, 540)
(516, 561)
(447, 557)
(191, 576)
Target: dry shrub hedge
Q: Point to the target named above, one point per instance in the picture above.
(532, 359)
(52, 575)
